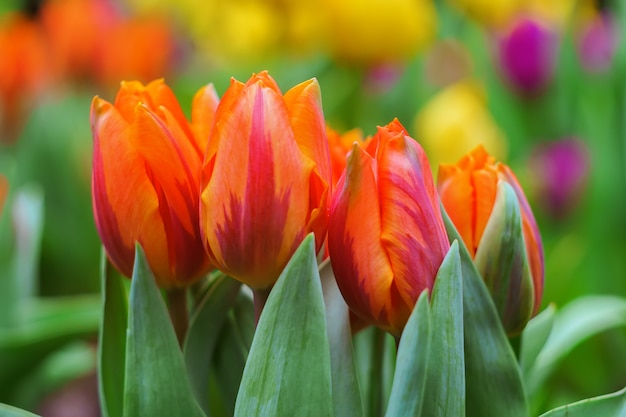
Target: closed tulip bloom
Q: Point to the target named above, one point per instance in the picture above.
(266, 178)
(146, 181)
(473, 192)
(386, 235)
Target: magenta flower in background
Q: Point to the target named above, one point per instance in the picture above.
(597, 43)
(561, 169)
(526, 54)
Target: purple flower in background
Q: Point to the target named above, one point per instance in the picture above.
(526, 53)
(561, 170)
(597, 43)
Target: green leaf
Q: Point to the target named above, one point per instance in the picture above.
(407, 392)
(112, 341)
(611, 405)
(288, 369)
(577, 321)
(346, 395)
(8, 411)
(445, 377)
(535, 336)
(156, 381)
(203, 333)
(493, 381)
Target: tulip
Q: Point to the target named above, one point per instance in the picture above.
(373, 32)
(488, 208)
(339, 147)
(266, 178)
(4, 191)
(561, 170)
(527, 56)
(597, 43)
(146, 180)
(455, 121)
(386, 235)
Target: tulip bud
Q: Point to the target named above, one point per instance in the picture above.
(386, 235)
(339, 146)
(146, 182)
(527, 54)
(266, 178)
(488, 208)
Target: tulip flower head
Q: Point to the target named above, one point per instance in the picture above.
(597, 43)
(146, 181)
(479, 195)
(386, 235)
(266, 178)
(527, 55)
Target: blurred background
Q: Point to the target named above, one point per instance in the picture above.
(542, 84)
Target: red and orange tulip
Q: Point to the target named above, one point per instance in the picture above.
(470, 191)
(339, 147)
(146, 179)
(266, 178)
(386, 235)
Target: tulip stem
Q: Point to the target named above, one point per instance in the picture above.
(260, 298)
(177, 307)
(376, 373)
(516, 343)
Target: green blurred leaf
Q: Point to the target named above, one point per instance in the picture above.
(8, 411)
(407, 392)
(535, 336)
(156, 381)
(346, 395)
(203, 333)
(445, 378)
(112, 341)
(574, 323)
(47, 325)
(288, 369)
(611, 405)
(493, 382)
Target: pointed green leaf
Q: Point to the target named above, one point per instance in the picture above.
(611, 405)
(203, 332)
(407, 392)
(156, 381)
(445, 377)
(346, 395)
(288, 369)
(112, 341)
(9, 411)
(535, 336)
(492, 377)
(574, 323)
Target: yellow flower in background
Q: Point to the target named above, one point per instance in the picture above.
(499, 13)
(455, 121)
(492, 13)
(379, 31)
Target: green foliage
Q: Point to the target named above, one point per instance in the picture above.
(288, 368)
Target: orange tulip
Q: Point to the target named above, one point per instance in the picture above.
(386, 235)
(146, 179)
(266, 178)
(339, 147)
(472, 193)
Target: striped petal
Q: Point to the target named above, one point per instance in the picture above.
(254, 203)
(413, 233)
(362, 268)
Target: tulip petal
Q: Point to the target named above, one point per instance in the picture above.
(119, 178)
(203, 109)
(412, 232)
(361, 266)
(256, 200)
